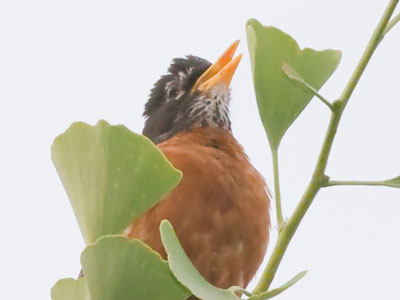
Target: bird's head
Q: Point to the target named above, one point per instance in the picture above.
(194, 93)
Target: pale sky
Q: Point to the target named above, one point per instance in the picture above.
(65, 61)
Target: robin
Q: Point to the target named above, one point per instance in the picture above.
(220, 209)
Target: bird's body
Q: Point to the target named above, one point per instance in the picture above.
(220, 209)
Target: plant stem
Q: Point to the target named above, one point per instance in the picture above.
(318, 178)
(293, 223)
(373, 42)
(278, 204)
(359, 182)
(391, 24)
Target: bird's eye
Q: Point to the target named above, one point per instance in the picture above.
(172, 92)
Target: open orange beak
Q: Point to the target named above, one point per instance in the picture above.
(221, 72)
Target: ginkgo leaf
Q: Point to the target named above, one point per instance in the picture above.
(280, 100)
(394, 182)
(111, 176)
(117, 268)
(184, 270)
(70, 289)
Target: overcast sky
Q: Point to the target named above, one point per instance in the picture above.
(65, 61)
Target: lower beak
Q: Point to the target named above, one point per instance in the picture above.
(220, 72)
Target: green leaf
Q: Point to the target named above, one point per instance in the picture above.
(117, 268)
(277, 291)
(70, 289)
(280, 100)
(394, 182)
(184, 270)
(111, 176)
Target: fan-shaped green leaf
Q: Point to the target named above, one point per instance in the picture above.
(184, 270)
(117, 268)
(394, 182)
(111, 176)
(280, 99)
(70, 289)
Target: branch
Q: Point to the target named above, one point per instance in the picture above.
(372, 44)
(318, 177)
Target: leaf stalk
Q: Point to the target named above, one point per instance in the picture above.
(292, 74)
(391, 24)
(278, 204)
(360, 182)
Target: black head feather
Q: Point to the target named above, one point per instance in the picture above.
(172, 107)
(173, 82)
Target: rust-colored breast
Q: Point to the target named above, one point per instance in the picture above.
(220, 209)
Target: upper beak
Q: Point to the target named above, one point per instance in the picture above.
(221, 72)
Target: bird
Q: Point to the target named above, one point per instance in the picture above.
(220, 209)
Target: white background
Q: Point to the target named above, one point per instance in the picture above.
(63, 61)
